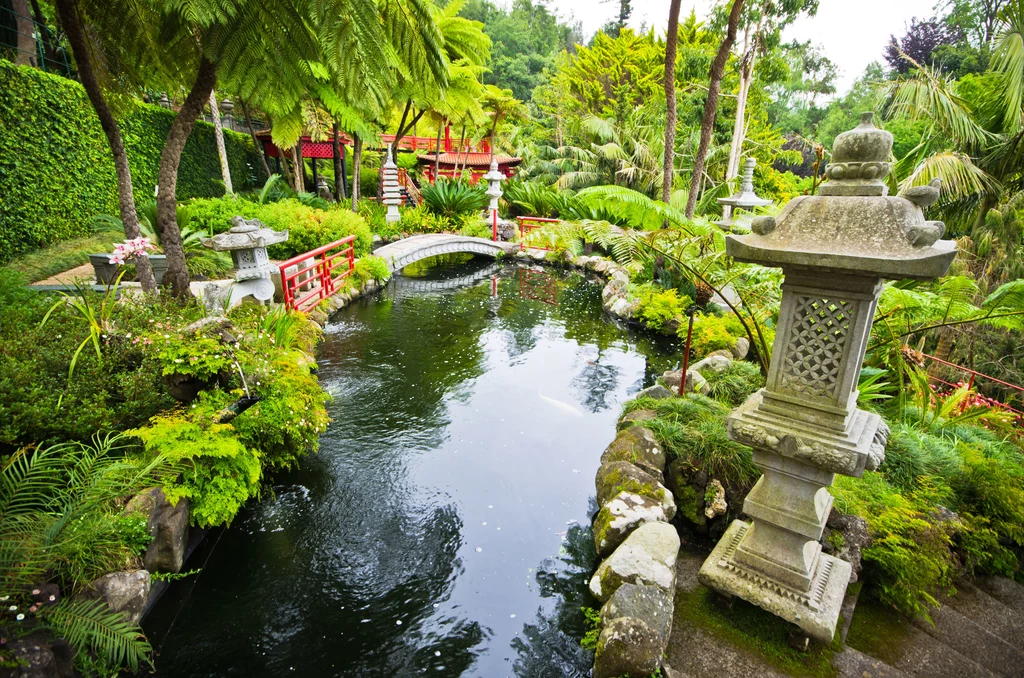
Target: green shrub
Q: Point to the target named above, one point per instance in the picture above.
(57, 171)
(735, 383)
(453, 198)
(658, 306)
(214, 215)
(341, 223)
(369, 179)
(713, 333)
(310, 228)
(372, 268)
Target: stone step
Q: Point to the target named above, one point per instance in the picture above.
(971, 640)
(988, 613)
(851, 663)
(1005, 590)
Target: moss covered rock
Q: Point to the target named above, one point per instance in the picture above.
(637, 445)
(647, 557)
(622, 476)
(636, 417)
(627, 647)
(621, 516)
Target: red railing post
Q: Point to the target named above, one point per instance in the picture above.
(315, 269)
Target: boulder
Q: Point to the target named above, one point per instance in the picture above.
(713, 364)
(658, 392)
(636, 417)
(619, 476)
(846, 537)
(671, 326)
(619, 274)
(646, 557)
(214, 326)
(714, 500)
(688, 485)
(618, 518)
(638, 446)
(722, 353)
(741, 349)
(627, 647)
(125, 592)
(39, 655)
(601, 265)
(651, 604)
(695, 382)
(168, 525)
(620, 307)
(613, 290)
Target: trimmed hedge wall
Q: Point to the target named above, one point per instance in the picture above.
(56, 171)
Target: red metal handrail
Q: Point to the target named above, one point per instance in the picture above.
(527, 225)
(974, 374)
(313, 278)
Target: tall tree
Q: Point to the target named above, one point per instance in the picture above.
(339, 162)
(501, 105)
(671, 45)
(222, 151)
(25, 48)
(707, 122)
(74, 29)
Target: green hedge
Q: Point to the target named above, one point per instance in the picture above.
(56, 171)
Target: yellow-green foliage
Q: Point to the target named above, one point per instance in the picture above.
(196, 355)
(220, 473)
(372, 268)
(422, 220)
(713, 333)
(657, 305)
(309, 228)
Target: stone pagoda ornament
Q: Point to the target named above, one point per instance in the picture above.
(494, 178)
(392, 191)
(248, 241)
(835, 249)
(746, 199)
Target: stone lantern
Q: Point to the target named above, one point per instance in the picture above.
(226, 106)
(164, 101)
(494, 178)
(248, 241)
(746, 199)
(835, 249)
(392, 191)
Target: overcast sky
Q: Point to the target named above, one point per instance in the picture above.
(853, 32)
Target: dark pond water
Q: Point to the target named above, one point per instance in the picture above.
(440, 530)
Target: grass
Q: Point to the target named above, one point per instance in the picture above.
(754, 630)
(50, 261)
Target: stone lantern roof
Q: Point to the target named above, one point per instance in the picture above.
(853, 225)
(245, 234)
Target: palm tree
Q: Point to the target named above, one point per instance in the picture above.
(502, 105)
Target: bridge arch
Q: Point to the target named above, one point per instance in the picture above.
(400, 254)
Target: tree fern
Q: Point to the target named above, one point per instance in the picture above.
(92, 629)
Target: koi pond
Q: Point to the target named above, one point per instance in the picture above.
(443, 528)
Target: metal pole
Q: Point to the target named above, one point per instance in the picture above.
(494, 228)
(686, 355)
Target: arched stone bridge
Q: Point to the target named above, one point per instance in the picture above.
(400, 254)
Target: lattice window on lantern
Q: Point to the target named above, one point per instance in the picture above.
(814, 348)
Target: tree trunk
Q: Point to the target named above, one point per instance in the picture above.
(25, 49)
(437, 152)
(170, 158)
(222, 151)
(67, 12)
(707, 123)
(40, 20)
(945, 346)
(671, 44)
(339, 168)
(357, 160)
(255, 141)
(494, 130)
(739, 127)
(287, 173)
(299, 165)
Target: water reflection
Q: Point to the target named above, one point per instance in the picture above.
(437, 531)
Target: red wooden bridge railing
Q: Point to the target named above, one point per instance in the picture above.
(974, 376)
(527, 225)
(309, 278)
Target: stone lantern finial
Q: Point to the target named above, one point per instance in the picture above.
(835, 249)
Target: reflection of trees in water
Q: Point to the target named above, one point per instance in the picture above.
(594, 383)
(551, 645)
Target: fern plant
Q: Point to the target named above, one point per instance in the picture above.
(453, 198)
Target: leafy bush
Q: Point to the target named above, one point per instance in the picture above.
(713, 333)
(214, 215)
(49, 191)
(310, 228)
(371, 268)
(342, 223)
(658, 306)
(453, 198)
(735, 383)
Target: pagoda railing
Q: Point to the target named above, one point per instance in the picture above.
(973, 378)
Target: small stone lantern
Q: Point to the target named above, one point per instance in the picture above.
(164, 101)
(835, 250)
(248, 241)
(226, 106)
(746, 199)
(392, 192)
(494, 178)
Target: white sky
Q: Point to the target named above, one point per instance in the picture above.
(852, 32)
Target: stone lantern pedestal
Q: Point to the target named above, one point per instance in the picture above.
(248, 241)
(804, 426)
(494, 178)
(746, 199)
(392, 191)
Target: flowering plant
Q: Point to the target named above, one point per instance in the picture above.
(130, 249)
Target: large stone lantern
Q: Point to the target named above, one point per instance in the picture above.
(804, 426)
(248, 241)
(392, 191)
(494, 177)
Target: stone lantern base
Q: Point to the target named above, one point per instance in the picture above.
(815, 611)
